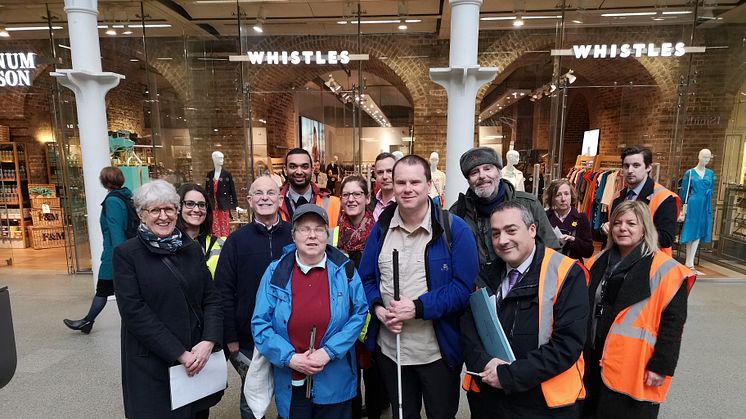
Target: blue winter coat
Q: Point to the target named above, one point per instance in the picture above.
(113, 227)
(450, 280)
(337, 382)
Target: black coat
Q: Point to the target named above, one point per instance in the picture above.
(226, 191)
(575, 224)
(158, 325)
(634, 286)
(243, 259)
(519, 316)
(665, 216)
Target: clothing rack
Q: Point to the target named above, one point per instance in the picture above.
(597, 181)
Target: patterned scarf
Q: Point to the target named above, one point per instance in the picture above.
(351, 238)
(171, 243)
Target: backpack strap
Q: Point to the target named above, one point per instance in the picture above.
(350, 270)
(445, 219)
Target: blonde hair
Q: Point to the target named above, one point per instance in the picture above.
(642, 212)
(552, 190)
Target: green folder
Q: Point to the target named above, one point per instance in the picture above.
(491, 333)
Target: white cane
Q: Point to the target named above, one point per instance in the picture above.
(395, 261)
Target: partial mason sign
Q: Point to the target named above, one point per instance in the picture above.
(637, 50)
(16, 68)
(298, 57)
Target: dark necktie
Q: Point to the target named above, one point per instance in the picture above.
(513, 276)
(300, 201)
(631, 195)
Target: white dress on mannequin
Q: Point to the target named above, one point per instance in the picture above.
(510, 173)
(438, 187)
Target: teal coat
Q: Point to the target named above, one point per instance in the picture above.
(113, 222)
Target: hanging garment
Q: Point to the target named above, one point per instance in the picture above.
(698, 221)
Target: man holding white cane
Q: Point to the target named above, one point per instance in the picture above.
(438, 262)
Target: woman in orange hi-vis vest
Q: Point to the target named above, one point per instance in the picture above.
(638, 299)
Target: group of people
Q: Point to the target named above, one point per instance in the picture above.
(311, 285)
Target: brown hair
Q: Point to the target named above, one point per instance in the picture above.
(111, 178)
(552, 190)
(413, 160)
(360, 181)
(642, 212)
(206, 227)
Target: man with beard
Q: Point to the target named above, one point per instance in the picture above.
(481, 168)
(299, 190)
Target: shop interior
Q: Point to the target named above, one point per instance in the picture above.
(186, 94)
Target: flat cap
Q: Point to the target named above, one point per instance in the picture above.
(310, 209)
(478, 156)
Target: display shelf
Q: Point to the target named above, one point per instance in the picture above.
(733, 230)
(14, 198)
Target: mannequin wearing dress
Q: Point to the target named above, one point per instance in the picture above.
(438, 187)
(696, 191)
(510, 173)
(221, 192)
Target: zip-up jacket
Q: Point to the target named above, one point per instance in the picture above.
(330, 203)
(337, 382)
(244, 257)
(450, 279)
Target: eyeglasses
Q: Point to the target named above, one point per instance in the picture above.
(191, 204)
(155, 212)
(306, 230)
(356, 195)
(268, 194)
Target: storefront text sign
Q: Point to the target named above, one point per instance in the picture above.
(16, 68)
(298, 57)
(637, 50)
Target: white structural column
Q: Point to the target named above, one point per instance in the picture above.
(462, 79)
(90, 85)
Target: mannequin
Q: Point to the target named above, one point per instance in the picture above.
(438, 187)
(510, 173)
(221, 192)
(332, 174)
(398, 155)
(696, 191)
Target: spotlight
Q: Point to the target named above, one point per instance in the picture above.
(402, 25)
(258, 27)
(518, 22)
(110, 31)
(4, 33)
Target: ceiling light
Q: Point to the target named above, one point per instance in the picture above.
(543, 17)
(413, 21)
(497, 18)
(678, 12)
(127, 32)
(149, 25)
(628, 14)
(32, 28)
(258, 27)
(4, 33)
(402, 25)
(110, 31)
(518, 22)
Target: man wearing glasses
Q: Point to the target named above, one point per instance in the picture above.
(244, 257)
(299, 190)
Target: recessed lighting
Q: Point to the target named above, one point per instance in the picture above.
(150, 25)
(32, 28)
(497, 18)
(543, 17)
(678, 12)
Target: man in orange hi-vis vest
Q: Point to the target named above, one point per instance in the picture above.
(541, 298)
(637, 162)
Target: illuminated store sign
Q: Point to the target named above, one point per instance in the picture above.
(294, 57)
(637, 50)
(16, 68)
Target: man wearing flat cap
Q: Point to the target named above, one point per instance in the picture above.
(481, 168)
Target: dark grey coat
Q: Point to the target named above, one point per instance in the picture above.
(157, 324)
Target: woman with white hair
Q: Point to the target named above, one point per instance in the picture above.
(638, 299)
(170, 312)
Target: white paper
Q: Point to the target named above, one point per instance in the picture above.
(186, 389)
(557, 232)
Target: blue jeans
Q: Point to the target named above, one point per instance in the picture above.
(303, 408)
(245, 411)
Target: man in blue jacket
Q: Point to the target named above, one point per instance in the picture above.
(243, 260)
(435, 283)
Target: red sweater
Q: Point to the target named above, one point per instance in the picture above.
(310, 299)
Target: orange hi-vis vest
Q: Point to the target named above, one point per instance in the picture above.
(660, 194)
(631, 340)
(567, 387)
(331, 206)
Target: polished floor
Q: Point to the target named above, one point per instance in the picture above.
(65, 374)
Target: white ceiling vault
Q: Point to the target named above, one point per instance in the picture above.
(218, 18)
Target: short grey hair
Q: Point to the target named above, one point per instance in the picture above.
(155, 192)
(526, 215)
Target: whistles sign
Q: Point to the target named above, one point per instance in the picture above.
(665, 49)
(16, 68)
(298, 57)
